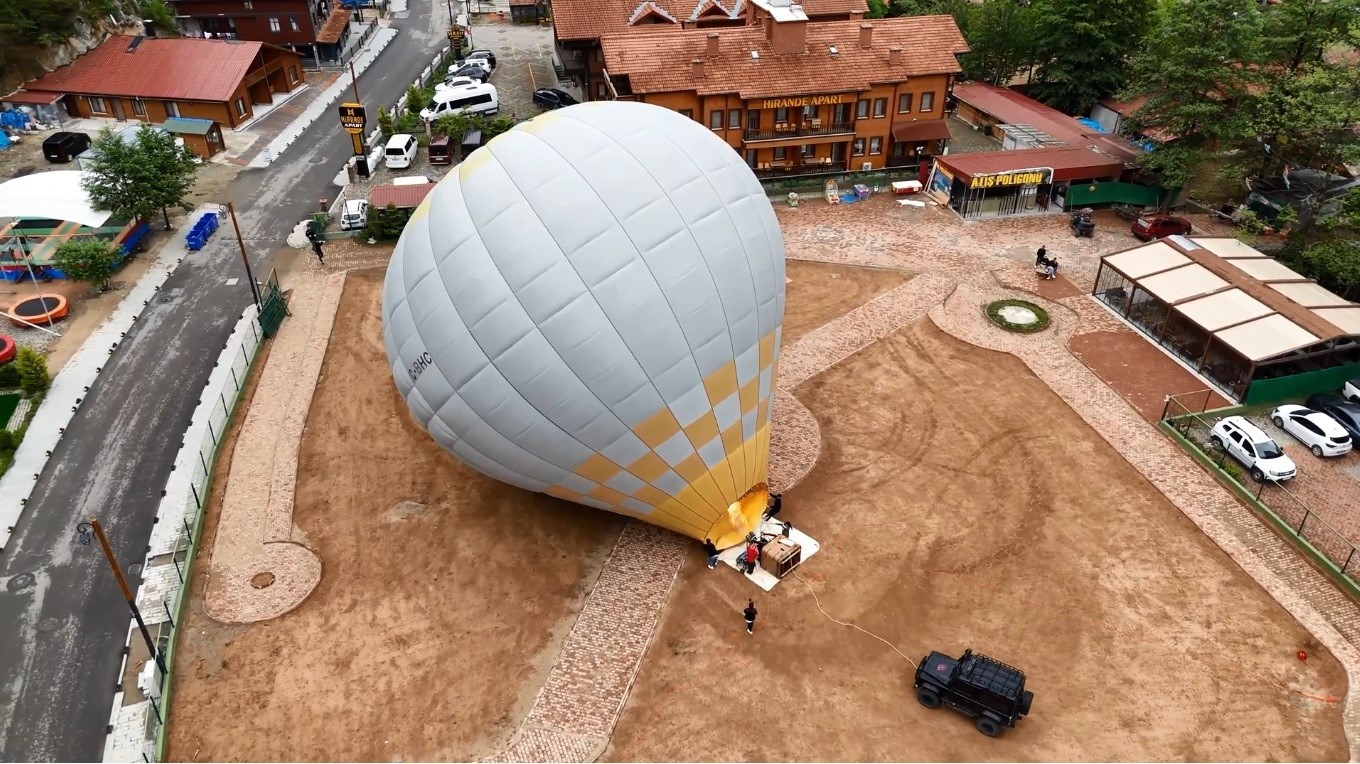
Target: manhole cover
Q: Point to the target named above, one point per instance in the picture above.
(262, 580)
(47, 624)
(164, 300)
(21, 582)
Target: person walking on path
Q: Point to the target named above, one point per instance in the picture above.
(712, 552)
(750, 614)
(316, 247)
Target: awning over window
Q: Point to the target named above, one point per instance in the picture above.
(917, 132)
(31, 98)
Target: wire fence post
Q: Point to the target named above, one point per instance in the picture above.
(166, 606)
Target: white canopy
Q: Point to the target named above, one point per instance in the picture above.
(55, 195)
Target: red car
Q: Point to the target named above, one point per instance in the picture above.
(1150, 227)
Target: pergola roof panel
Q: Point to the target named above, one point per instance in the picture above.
(1310, 295)
(1181, 283)
(1226, 248)
(1147, 259)
(1347, 319)
(1223, 309)
(1265, 269)
(1266, 337)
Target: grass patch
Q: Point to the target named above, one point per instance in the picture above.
(8, 403)
(1007, 319)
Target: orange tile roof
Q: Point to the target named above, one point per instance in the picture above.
(1066, 163)
(335, 24)
(401, 197)
(171, 68)
(659, 61)
(593, 19)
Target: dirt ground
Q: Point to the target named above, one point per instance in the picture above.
(443, 599)
(956, 506)
(1139, 371)
(820, 292)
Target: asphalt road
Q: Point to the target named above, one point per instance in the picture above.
(63, 622)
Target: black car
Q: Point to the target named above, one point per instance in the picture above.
(1345, 413)
(975, 685)
(552, 98)
(470, 70)
(483, 54)
(65, 147)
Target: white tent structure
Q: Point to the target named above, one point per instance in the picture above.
(55, 195)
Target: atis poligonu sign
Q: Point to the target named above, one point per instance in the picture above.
(1033, 177)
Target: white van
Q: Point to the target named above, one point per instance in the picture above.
(467, 99)
(411, 180)
(401, 151)
(355, 215)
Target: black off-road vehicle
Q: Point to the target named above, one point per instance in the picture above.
(976, 685)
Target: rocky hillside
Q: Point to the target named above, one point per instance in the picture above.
(37, 36)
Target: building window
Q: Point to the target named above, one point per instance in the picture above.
(809, 151)
(753, 120)
(292, 74)
(927, 101)
(734, 119)
(780, 153)
(838, 152)
(841, 113)
(292, 22)
(97, 105)
(171, 109)
(750, 161)
(600, 91)
(240, 107)
(880, 107)
(139, 107)
(875, 145)
(687, 113)
(781, 116)
(858, 147)
(274, 24)
(862, 110)
(904, 103)
(809, 112)
(715, 119)
(249, 5)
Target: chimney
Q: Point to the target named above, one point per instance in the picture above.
(894, 55)
(866, 36)
(712, 49)
(698, 66)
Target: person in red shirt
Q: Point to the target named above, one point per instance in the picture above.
(751, 556)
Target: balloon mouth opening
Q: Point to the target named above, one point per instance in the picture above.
(741, 518)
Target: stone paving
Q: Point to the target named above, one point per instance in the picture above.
(261, 564)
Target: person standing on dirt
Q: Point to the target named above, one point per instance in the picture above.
(316, 247)
(712, 552)
(750, 614)
(1041, 257)
(751, 556)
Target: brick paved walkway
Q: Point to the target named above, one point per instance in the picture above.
(256, 535)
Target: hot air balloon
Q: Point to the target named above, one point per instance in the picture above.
(590, 306)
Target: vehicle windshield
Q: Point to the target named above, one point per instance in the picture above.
(1268, 450)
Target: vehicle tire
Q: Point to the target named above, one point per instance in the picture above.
(988, 726)
(1317, 451)
(1279, 421)
(1258, 475)
(1217, 441)
(928, 698)
(1026, 701)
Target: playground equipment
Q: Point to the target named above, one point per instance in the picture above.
(39, 310)
(7, 349)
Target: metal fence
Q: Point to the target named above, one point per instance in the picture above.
(138, 723)
(1189, 416)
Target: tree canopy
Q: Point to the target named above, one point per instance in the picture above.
(1082, 48)
(89, 260)
(140, 178)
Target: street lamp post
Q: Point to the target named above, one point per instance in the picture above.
(84, 530)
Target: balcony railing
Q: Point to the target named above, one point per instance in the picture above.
(800, 130)
(780, 170)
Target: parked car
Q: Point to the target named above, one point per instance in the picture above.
(355, 215)
(400, 151)
(1321, 433)
(552, 98)
(1351, 391)
(1345, 413)
(455, 82)
(975, 685)
(484, 63)
(1150, 227)
(468, 99)
(484, 54)
(472, 71)
(1249, 445)
(64, 147)
(441, 152)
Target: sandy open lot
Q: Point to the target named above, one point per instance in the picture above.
(961, 503)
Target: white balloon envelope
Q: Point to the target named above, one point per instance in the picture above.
(590, 307)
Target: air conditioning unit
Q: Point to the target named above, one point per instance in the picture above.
(866, 166)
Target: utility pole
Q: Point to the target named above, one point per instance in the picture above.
(250, 275)
(354, 80)
(84, 530)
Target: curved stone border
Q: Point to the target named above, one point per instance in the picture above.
(71, 384)
(994, 312)
(255, 532)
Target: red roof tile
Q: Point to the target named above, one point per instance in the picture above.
(1014, 108)
(336, 22)
(1066, 163)
(660, 61)
(1123, 108)
(593, 19)
(31, 98)
(403, 197)
(172, 68)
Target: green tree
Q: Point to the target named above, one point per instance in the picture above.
(140, 178)
(89, 260)
(161, 15)
(32, 366)
(1300, 32)
(1000, 36)
(417, 98)
(877, 9)
(1083, 48)
(1336, 264)
(1195, 70)
(1306, 117)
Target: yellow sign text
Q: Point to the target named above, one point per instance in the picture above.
(1022, 178)
(794, 103)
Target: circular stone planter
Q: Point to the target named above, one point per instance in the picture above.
(1017, 316)
(39, 310)
(7, 349)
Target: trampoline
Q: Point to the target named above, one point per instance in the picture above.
(39, 310)
(7, 349)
